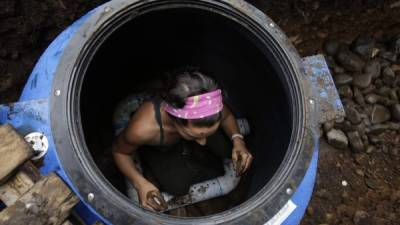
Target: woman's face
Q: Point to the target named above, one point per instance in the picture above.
(197, 134)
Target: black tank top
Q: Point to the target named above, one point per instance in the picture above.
(157, 110)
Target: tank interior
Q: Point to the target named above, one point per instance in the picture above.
(136, 57)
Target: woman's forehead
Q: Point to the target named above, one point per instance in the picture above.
(198, 130)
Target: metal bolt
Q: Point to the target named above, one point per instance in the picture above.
(289, 191)
(344, 183)
(57, 92)
(312, 101)
(90, 197)
(28, 205)
(272, 24)
(107, 9)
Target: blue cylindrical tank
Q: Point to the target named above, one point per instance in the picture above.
(50, 104)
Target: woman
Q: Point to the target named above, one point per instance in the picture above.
(184, 124)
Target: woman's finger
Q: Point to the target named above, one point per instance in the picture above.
(248, 162)
(153, 204)
(234, 160)
(242, 163)
(146, 206)
(156, 202)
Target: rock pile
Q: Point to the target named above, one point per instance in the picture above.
(367, 76)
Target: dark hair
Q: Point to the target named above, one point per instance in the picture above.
(183, 83)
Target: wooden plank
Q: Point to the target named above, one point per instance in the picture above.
(14, 151)
(19, 184)
(49, 201)
(67, 223)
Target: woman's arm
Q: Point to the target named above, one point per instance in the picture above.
(135, 135)
(241, 157)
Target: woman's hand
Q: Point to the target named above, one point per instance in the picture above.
(241, 157)
(150, 197)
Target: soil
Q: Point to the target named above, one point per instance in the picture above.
(351, 188)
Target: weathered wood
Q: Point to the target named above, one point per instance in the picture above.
(68, 223)
(19, 184)
(14, 151)
(48, 202)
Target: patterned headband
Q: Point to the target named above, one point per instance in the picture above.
(198, 106)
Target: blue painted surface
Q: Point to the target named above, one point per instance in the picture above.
(328, 100)
(40, 81)
(303, 193)
(32, 114)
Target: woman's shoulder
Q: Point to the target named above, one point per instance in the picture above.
(142, 124)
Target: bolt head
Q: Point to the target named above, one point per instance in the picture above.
(90, 197)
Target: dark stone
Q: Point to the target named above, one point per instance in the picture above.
(338, 69)
(330, 61)
(323, 193)
(372, 98)
(389, 56)
(366, 121)
(371, 184)
(361, 159)
(349, 61)
(355, 141)
(369, 89)
(345, 126)
(386, 101)
(362, 80)
(395, 44)
(393, 95)
(365, 140)
(379, 114)
(328, 126)
(388, 76)
(394, 151)
(342, 79)
(331, 47)
(7, 82)
(374, 139)
(384, 91)
(361, 218)
(378, 128)
(378, 83)
(373, 67)
(360, 128)
(385, 149)
(358, 97)
(396, 112)
(345, 91)
(370, 149)
(394, 126)
(388, 72)
(353, 115)
(337, 138)
(384, 63)
(363, 45)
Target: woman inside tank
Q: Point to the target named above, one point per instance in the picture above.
(182, 134)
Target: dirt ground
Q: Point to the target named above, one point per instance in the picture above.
(373, 180)
(372, 193)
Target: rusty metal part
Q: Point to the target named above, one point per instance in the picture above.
(327, 98)
(156, 198)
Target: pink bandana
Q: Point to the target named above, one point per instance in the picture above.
(198, 106)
